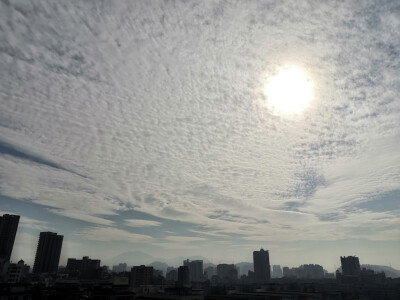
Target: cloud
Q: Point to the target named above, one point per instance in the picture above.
(29, 223)
(209, 233)
(141, 223)
(184, 238)
(64, 194)
(175, 246)
(24, 247)
(354, 180)
(76, 214)
(8, 149)
(107, 234)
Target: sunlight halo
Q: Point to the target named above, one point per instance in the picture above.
(289, 92)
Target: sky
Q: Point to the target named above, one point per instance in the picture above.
(146, 126)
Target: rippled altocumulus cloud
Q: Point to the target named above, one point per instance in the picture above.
(159, 107)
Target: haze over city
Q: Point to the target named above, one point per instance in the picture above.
(203, 129)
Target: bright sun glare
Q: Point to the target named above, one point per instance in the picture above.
(289, 91)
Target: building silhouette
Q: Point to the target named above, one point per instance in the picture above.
(276, 271)
(8, 230)
(183, 276)
(141, 275)
(172, 274)
(85, 267)
(262, 268)
(227, 273)
(121, 267)
(48, 253)
(288, 272)
(310, 271)
(195, 269)
(12, 273)
(350, 265)
(209, 272)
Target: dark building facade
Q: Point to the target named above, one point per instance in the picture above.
(195, 269)
(350, 265)
(84, 267)
(183, 276)
(305, 272)
(12, 273)
(172, 274)
(48, 253)
(8, 230)
(227, 273)
(288, 272)
(262, 268)
(141, 275)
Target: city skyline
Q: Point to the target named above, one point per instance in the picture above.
(87, 278)
(49, 249)
(205, 128)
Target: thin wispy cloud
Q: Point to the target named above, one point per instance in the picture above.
(142, 223)
(112, 234)
(184, 238)
(29, 222)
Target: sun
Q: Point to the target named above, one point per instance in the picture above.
(289, 92)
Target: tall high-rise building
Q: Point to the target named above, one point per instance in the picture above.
(8, 230)
(48, 253)
(195, 269)
(350, 265)
(262, 268)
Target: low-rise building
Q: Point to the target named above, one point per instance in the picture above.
(83, 268)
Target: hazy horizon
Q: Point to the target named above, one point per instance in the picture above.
(211, 128)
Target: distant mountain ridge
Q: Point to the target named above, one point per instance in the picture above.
(159, 266)
(132, 258)
(389, 271)
(244, 267)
